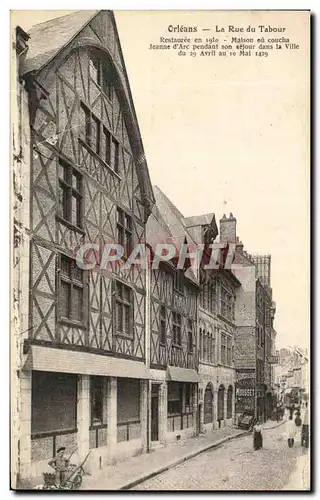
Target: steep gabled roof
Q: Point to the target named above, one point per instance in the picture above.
(52, 40)
(46, 39)
(166, 225)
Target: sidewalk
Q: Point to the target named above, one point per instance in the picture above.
(125, 475)
(300, 478)
(128, 474)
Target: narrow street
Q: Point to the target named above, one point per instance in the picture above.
(235, 466)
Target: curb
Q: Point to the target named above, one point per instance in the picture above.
(189, 456)
(275, 426)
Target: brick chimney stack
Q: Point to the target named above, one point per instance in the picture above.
(228, 229)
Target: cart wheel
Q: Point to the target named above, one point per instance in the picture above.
(77, 482)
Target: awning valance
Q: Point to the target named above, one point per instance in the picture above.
(176, 374)
(51, 359)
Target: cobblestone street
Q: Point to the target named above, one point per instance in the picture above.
(235, 466)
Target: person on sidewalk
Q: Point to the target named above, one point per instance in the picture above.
(257, 436)
(60, 464)
(290, 431)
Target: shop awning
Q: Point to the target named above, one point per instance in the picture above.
(175, 374)
(49, 359)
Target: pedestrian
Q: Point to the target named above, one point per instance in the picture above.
(257, 436)
(60, 464)
(305, 428)
(290, 431)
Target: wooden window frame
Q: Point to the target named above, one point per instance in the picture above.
(190, 336)
(100, 81)
(176, 329)
(124, 231)
(163, 324)
(65, 186)
(72, 283)
(120, 300)
(229, 351)
(93, 381)
(223, 354)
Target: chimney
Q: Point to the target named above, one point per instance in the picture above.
(228, 229)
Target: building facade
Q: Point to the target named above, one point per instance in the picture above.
(173, 332)
(80, 179)
(254, 314)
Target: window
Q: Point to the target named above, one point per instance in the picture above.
(162, 325)
(124, 229)
(227, 305)
(96, 400)
(178, 282)
(114, 156)
(190, 336)
(176, 327)
(101, 74)
(188, 396)
(205, 350)
(92, 129)
(95, 70)
(223, 349)
(95, 134)
(229, 351)
(70, 194)
(174, 398)
(229, 402)
(71, 290)
(107, 144)
(212, 297)
(124, 310)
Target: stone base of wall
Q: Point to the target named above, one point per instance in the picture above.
(173, 437)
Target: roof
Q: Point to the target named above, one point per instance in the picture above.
(53, 38)
(199, 220)
(46, 39)
(166, 225)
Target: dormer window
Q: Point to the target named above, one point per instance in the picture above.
(101, 73)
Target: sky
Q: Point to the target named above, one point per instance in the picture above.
(229, 135)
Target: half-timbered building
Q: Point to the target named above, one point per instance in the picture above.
(82, 341)
(173, 331)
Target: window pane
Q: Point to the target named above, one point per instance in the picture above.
(76, 181)
(127, 319)
(119, 316)
(162, 332)
(114, 154)
(96, 400)
(74, 211)
(119, 289)
(128, 243)
(106, 138)
(65, 265)
(76, 301)
(77, 273)
(126, 293)
(62, 171)
(65, 299)
(63, 201)
(94, 70)
(95, 134)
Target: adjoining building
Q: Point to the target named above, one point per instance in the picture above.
(254, 315)
(173, 332)
(80, 178)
